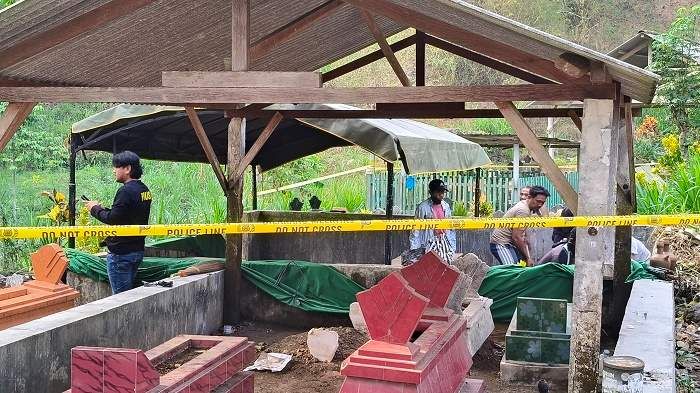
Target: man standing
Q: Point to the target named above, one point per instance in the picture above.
(131, 206)
(442, 242)
(509, 246)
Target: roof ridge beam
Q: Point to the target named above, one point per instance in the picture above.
(98, 17)
(266, 44)
(466, 38)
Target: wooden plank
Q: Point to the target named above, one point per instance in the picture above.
(268, 43)
(633, 51)
(206, 146)
(464, 37)
(576, 118)
(485, 60)
(529, 139)
(629, 136)
(91, 20)
(291, 95)
(255, 149)
(12, 119)
(366, 59)
(240, 35)
(386, 49)
(240, 79)
(408, 111)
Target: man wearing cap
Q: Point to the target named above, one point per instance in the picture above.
(441, 242)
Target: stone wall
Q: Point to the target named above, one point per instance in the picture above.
(36, 355)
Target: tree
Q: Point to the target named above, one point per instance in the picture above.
(675, 56)
(6, 3)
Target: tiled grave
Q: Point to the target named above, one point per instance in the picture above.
(538, 341)
(218, 369)
(417, 344)
(40, 297)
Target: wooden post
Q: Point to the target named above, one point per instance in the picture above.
(624, 207)
(240, 38)
(594, 245)
(477, 192)
(389, 209)
(515, 195)
(71, 186)
(420, 58)
(254, 186)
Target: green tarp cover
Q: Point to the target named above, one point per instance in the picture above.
(305, 285)
(504, 284)
(151, 269)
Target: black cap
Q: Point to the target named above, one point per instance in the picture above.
(437, 185)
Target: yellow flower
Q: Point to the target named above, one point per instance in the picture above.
(670, 143)
(59, 197)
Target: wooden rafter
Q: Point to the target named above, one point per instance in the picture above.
(386, 49)
(259, 143)
(206, 146)
(420, 58)
(411, 112)
(367, 59)
(266, 44)
(633, 51)
(240, 79)
(576, 118)
(529, 139)
(12, 119)
(485, 60)
(464, 37)
(293, 95)
(91, 20)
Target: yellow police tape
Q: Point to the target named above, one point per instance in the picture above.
(345, 226)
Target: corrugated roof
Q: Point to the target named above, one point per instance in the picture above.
(184, 35)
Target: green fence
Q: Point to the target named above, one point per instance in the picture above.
(496, 186)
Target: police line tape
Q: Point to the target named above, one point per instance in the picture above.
(345, 226)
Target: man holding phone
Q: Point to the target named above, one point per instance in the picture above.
(131, 206)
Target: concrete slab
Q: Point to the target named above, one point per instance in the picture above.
(479, 322)
(141, 318)
(648, 333)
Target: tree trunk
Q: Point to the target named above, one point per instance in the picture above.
(680, 116)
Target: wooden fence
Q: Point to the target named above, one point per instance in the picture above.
(496, 187)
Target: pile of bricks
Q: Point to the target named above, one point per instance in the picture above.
(40, 297)
(417, 343)
(218, 369)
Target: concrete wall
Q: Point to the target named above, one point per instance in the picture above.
(355, 247)
(35, 356)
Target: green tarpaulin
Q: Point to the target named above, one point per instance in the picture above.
(305, 285)
(213, 246)
(504, 284)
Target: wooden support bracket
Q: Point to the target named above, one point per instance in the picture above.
(206, 145)
(529, 139)
(386, 49)
(255, 149)
(12, 119)
(577, 120)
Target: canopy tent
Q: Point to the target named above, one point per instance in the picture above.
(166, 133)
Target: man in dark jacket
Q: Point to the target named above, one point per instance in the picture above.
(131, 206)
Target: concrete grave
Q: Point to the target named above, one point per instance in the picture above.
(220, 361)
(40, 297)
(417, 344)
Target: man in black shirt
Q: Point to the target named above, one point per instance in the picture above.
(131, 206)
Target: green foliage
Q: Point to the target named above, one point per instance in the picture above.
(6, 3)
(679, 192)
(647, 150)
(675, 61)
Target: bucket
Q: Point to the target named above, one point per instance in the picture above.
(623, 374)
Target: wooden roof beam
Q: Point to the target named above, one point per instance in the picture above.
(465, 38)
(294, 95)
(485, 60)
(386, 49)
(240, 79)
(266, 44)
(410, 112)
(366, 59)
(206, 146)
(91, 20)
(12, 119)
(259, 143)
(529, 139)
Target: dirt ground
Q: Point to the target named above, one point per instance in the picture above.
(306, 375)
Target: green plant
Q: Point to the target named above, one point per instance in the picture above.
(647, 150)
(460, 209)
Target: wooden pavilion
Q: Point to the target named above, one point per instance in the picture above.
(243, 55)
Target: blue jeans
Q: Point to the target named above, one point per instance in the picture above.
(121, 270)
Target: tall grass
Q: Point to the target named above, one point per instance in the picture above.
(679, 193)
